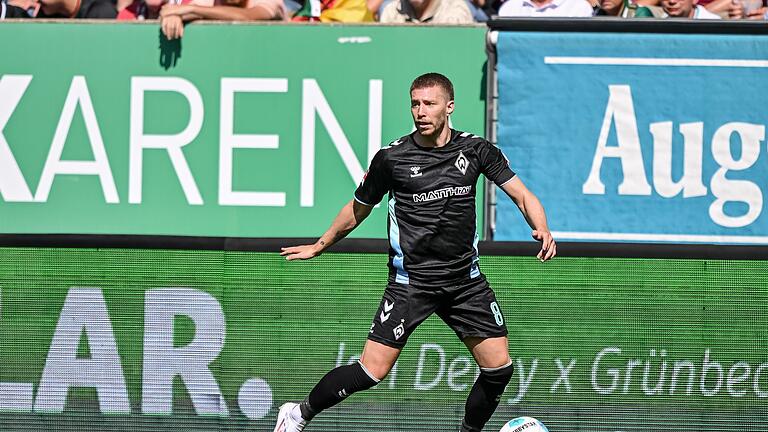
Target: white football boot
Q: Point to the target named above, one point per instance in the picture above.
(289, 418)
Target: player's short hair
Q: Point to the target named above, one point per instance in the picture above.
(433, 79)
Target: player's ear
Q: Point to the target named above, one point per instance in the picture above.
(449, 107)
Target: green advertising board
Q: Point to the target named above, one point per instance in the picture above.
(236, 130)
(164, 340)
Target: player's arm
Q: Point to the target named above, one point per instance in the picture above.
(350, 216)
(371, 190)
(533, 211)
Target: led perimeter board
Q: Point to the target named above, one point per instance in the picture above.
(200, 340)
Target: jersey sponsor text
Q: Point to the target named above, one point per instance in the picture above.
(442, 193)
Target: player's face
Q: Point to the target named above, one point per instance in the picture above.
(430, 107)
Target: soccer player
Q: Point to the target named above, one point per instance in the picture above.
(430, 176)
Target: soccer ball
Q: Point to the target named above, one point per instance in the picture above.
(524, 424)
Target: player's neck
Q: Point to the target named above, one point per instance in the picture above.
(435, 140)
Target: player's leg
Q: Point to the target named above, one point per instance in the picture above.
(489, 353)
(378, 358)
(474, 314)
(401, 310)
(492, 355)
(374, 364)
(338, 384)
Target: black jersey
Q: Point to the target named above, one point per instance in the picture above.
(432, 221)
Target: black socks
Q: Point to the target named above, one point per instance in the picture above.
(341, 382)
(335, 386)
(484, 397)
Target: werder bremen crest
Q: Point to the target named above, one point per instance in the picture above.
(462, 163)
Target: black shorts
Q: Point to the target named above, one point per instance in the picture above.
(470, 309)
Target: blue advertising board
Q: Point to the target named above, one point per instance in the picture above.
(637, 137)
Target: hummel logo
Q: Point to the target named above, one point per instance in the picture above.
(462, 163)
(387, 311)
(415, 171)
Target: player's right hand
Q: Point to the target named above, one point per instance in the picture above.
(302, 252)
(548, 246)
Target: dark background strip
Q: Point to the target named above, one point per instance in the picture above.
(567, 249)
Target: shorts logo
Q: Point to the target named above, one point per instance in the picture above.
(387, 311)
(372, 325)
(462, 163)
(399, 331)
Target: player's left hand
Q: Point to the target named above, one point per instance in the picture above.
(548, 246)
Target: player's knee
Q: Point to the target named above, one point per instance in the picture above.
(498, 377)
(366, 378)
(376, 370)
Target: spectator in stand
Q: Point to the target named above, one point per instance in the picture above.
(427, 11)
(749, 9)
(546, 8)
(616, 8)
(349, 11)
(18, 9)
(90, 9)
(737, 9)
(376, 7)
(480, 9)
(625, 9)
(143, 9)
(173, 16)
(679, 9)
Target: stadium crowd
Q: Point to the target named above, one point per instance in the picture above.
(173, 14)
